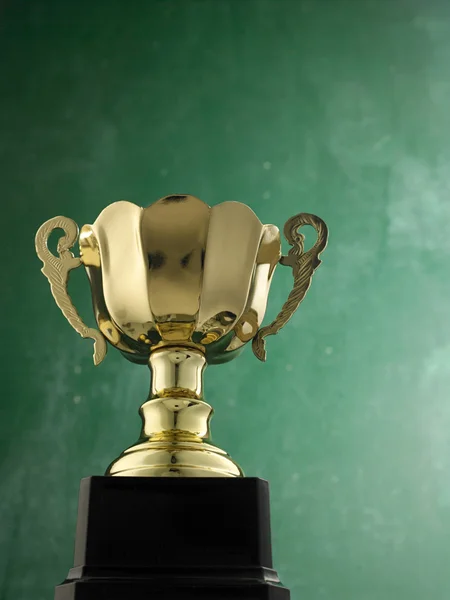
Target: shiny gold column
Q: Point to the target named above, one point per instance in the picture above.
(175, 424)
(177, 371)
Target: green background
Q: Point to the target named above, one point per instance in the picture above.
(336, 107)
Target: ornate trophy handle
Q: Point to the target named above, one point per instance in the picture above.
(303, 265)
(57, 272)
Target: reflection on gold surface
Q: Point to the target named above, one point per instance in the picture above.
(176, 368)
(89, 250)
(173, 232)
(175, 424)
(178, 285)
(124, 269)
(178, 272)
(234, 236)
(269, 252)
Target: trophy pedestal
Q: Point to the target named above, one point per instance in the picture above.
(173, 539)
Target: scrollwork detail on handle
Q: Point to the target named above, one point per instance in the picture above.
(303, 265)
(57, 272)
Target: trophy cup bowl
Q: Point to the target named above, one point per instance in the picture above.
(178, 285)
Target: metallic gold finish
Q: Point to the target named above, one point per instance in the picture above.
(177, 371)
(178, 285)
(234, 237)
(175, 424)
(174, 232)
(57, 272)
(178, 273)
(174, 458)
(269, 253)
(303, 265)
(174, 443)
(89, 250)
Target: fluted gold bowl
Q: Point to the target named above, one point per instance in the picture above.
(179, 272)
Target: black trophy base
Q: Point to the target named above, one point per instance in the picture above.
(173, 539)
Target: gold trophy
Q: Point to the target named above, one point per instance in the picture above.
(178, 285)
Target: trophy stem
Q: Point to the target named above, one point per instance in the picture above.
(175, 424)
(177, 372)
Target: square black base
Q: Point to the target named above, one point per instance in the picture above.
(173, 539)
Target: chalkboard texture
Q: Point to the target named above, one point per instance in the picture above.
(335, 107)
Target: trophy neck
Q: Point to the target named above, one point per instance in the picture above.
(177, 372)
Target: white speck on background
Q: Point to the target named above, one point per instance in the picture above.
(289, 367)
(77, 369)
(76, 399)
(329, 350)
(267, 165)
(335, 479)
(266, 195)
(164, 172)
(295, 476)
(231, 402)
